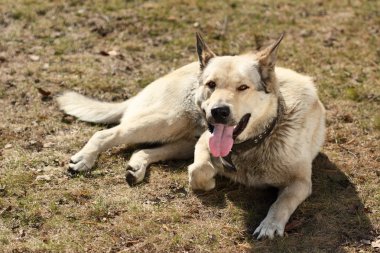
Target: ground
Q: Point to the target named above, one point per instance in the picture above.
(112, 49)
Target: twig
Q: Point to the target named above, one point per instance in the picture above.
(224, 27)
(348, 151)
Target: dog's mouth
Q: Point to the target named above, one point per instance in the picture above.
(223, 136)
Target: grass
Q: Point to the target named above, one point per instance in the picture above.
(336, 42)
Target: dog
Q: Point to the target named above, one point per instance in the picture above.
(240, 116)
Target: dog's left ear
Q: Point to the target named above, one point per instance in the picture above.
(267, 61)
(204, 52)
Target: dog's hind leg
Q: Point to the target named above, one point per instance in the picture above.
(100, 141)
(141, 159)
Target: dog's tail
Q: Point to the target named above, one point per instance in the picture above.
(90, 110)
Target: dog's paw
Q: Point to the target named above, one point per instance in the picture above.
(201, 178)
(268, 229)
(202, 185)
(80, 163)
(134, 176)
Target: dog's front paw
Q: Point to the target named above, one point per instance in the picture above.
(268, 229)
(202, 185)
(201, 178)
(80, 163)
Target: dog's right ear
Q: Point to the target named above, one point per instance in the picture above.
(204, 52)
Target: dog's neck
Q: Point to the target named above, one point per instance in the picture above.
(264, 127)
(265, 131)
(260, 122)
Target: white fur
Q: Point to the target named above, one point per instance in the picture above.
(90, 110)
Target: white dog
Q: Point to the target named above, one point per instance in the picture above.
(266, 125)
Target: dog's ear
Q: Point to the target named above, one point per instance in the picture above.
(267, 61)
(204, 52)
(268, 56)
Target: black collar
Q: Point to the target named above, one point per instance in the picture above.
(252, 142)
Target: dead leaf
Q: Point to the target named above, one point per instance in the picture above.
(104, 53)
(34, 57)
(8, 146)
(113, 53)
(46, 95)
(293, 225)
(44, 92)
(45, 178)
(172, 18)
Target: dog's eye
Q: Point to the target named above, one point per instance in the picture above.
(242, 87)
(211, 84)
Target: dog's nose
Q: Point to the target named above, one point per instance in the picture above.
(220, 114)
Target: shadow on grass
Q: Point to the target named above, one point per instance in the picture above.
(332, 217)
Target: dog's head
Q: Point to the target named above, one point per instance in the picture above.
(235, 92)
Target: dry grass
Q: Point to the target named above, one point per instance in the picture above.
(59, 45)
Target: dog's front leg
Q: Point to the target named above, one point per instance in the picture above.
(288, 200)
(202, 172)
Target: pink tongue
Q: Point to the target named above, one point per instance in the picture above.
(221, 140)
